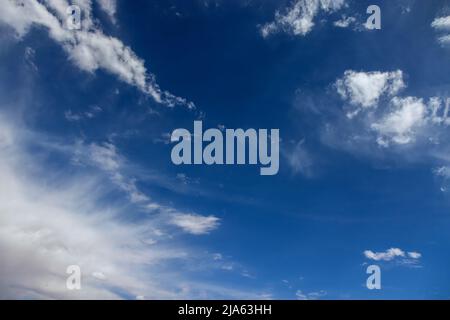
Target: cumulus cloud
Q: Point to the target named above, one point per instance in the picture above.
(88, 48)
(298, 19)
(364, 89)
(393, 254)
(399, 125)
(442, 25)
(195, 224)
(374, 104)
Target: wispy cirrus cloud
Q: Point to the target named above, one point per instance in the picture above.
(107, 158)
(45, 227)
(50, 219)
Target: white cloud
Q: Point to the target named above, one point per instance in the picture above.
(45, 226)
(364, 89)
(414, 255)
(217, 256)
(392, 254)
(109, 7)
(388, 255)
(50, 219)
(399, 125)
(91, 113)
(344, 22)
(299, 158)
(379, 114)
(105, 156)
(443, 172)
(311, 295)
(442, 25)
(299, 17)
(89, 48)
(194, 223)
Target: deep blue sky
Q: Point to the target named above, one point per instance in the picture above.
(301, 230)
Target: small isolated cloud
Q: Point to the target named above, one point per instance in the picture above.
(311, 295)
(298, 19)
(217, 256)
(299, 158)
(443, 172)
(414, 255)
(388, 255)
(344, 22)
(91, 113)
(194, 223)
(396, 255)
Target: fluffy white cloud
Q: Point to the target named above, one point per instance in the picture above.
(391, 254)
(195, 224)
(375, 106)
(364, 89)
(442, 25)
(299, 18)
(88, 48)
(399, 125)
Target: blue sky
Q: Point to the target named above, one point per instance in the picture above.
(87, 178)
